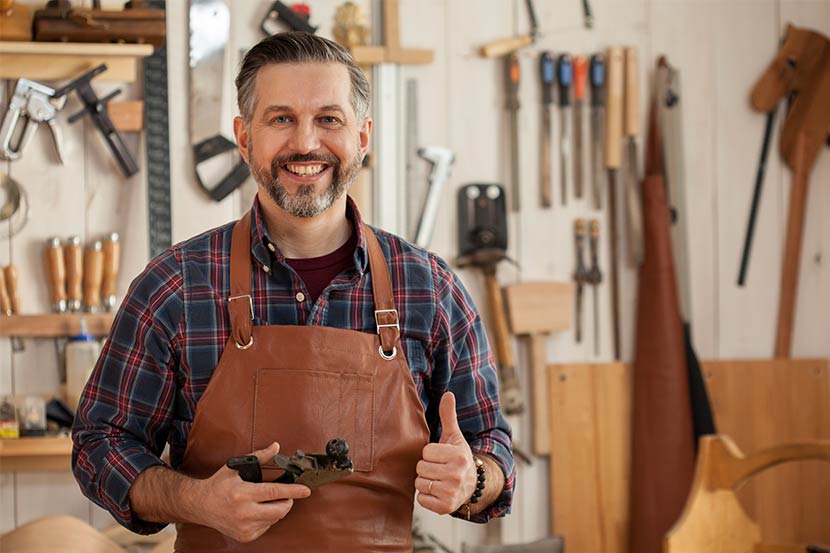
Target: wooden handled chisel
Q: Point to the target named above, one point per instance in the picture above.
(613, 161)
(56, 274)
(633, 200)
(73, 254)
(597, 74)
(580, 76)
(10, 300)
(564, 74)
(112, 259)
(547, 71)
(93, 276)
(512, 104)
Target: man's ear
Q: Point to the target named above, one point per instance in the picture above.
(365, 135)
(240, 131)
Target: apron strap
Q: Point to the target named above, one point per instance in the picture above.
(241, 307)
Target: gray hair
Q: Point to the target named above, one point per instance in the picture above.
(297, 47)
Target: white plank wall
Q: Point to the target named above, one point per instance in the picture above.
(720, 47)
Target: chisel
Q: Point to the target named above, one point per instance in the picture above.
(633, 201)
(512, 88)
(547, 70)
(595, 277)
(580, 274)
(565, 75)
(10, 274)
(597, 72)
(112, 258)
(73, 255)
(613, 159)
(93, 275)
(56, 274)
(580, 76)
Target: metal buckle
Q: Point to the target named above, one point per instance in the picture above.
(250, 302)
(388, 325)
(391, 355)
(246, 346)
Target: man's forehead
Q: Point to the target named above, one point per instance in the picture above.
(318, 84)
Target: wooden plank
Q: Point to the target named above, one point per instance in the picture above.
(55, 67)
(765, 403)
(88, 49)
(35, 454)
(55, 324)
(590, 441)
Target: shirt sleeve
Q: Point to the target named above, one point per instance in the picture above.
(124, 414)
(464, 365)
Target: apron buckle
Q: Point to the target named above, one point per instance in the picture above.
(378, 324)
(250, 303)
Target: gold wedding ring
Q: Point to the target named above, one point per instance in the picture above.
(429, 488)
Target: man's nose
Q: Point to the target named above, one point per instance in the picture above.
(305, 139)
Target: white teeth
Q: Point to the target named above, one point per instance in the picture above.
(304, 170)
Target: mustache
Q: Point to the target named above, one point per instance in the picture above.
(302, 158)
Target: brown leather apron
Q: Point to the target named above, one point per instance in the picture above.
(301, 386)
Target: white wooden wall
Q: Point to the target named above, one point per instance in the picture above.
(720, 47)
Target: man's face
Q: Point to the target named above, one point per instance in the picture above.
(304, 145)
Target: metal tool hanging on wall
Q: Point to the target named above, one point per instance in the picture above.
(564, 78)
(511, 81)
(14, 212)
(547, 75)
(31, 103)
(219, 167)
(295, 17)
(633, 198)
(580, 274)
(441, 160)
(597, 78)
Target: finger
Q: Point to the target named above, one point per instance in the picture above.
(434, 504)
(267, 455)
(272, 511)
(450, 432)
(433, 471)
(269, 491)
(441, 453)
(427, 486)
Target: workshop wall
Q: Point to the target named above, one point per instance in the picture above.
(720, 48)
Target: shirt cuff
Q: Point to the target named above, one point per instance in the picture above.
(502, 455)
(118, 486)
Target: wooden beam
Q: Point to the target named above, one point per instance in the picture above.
(58, 61)
(55, 324)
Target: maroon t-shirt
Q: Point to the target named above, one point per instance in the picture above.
(318, 272)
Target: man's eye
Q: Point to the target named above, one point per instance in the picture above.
(280, 120)
(329, 120)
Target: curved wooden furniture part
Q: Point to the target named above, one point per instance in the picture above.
(713, 520)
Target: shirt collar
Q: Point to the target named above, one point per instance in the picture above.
(262, 244)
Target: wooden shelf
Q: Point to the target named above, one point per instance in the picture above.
(35, 454)
(55, 324)
(59, 61)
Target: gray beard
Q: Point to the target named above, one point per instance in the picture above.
(305, 203)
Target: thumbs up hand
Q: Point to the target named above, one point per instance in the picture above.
(446, 472)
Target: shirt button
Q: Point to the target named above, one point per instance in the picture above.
(266, 268)
(300, 297)
(271, 247)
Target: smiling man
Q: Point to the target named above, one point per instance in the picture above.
(296, 324)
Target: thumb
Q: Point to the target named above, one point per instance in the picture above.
(267, 455)
(450, 432)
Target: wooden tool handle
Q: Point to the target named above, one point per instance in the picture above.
(93, 275)
(614, 109)
(505, 46)
(56, 274)
(541, 395)
(112, 259)
(511, 397)
(5, 302)
(10, 272)
(632, 93)
(73, 255)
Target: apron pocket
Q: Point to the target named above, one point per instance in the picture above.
(304, 409)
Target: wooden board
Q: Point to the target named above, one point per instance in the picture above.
(756, 403)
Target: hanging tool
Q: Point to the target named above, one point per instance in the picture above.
(588, 17)
(595, 277)
(5, 301)
(14, 212)
(482, 236)
(756, 196)
(219, 167)
(73, 254)
(512, 87)
(597, 72)
(61, 22)
(547, 71)
(441, 160)
(613, 159)
(32, 103)
(112, 259)
(56, 274)
(633, 201)
(93, 276)
(97, 109)
(13, 291)
(580, 68)
(508, 45)
(580, 274)
(295, 17)
(537, 310)
(564, 78)
(415, 194)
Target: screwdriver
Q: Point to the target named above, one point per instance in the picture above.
(580, 76)
(547, 70)
(512, 84)
(595, 277)
(565, 78)
(597, 72)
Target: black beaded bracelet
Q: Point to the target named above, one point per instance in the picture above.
(481, 480)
